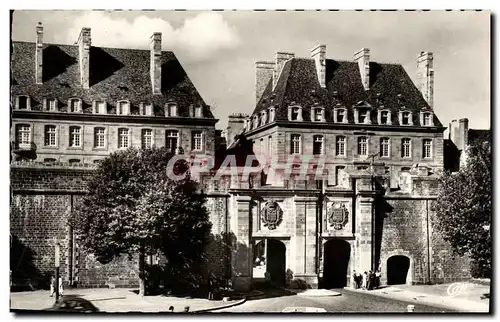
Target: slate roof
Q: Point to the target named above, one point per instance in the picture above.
(115, 74)
(390, 85)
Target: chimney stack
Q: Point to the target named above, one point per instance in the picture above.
(155, 64)
(39, 54)
(363, 59)
(235, 125)
(319, 55)
(263, 74)
(458, 134)
(281, 59)
(425, 76)
(84, 43)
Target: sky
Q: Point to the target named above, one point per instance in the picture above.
(218, 50)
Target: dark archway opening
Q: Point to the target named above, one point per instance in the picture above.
(337, 253)
(397, 269)
(276, 261)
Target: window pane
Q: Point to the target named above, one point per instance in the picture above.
(50, 135)
(123, 140)
(172, 137)
(340, 146)
(147, 138)
(74, 136)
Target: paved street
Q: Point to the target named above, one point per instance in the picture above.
(347, 302)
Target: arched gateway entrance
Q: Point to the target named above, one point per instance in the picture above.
(337, 253)
(397, 269)
(270, 256)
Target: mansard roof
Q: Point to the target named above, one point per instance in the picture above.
(390, 88)
(115, 74)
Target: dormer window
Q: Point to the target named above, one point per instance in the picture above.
(405, 118)
(100, 107)
(74, 105)
(146, 109)
(263, 118)
(123, 108)
(51, 105)
(426, 119)
(271, 114)
(23, 103)
(362, 117)
(171, 110)
(384, 117)
(317, 114)
(340, 115)
(294, 113)
(197, 111)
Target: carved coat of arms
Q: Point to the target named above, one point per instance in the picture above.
(272, 215)
(338, 216)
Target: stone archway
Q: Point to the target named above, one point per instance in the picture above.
(398, 267)
(337, 253)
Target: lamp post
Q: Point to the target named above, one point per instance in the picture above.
(57, 264)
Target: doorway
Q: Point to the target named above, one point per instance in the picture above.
(397, 269)
(276, 261)
(337, 253)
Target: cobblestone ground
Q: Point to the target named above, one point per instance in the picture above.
(347, 302)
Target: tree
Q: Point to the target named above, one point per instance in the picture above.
(463, 208)
(133, 207)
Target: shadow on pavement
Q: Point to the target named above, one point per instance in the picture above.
(73, 303)
(269, 291)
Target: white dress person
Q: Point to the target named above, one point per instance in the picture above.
(52, 286)
(365, 280)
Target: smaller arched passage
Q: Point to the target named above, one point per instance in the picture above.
(276, 261)
(337, 254)
(398, 268)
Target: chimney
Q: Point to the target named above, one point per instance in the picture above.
(263, 74)
(84, 43)
(235, 125)
(319, 55)
(459, 133)
(155, 64)
(425, 76)
(363, 59)
(281, 59)
(39, 54)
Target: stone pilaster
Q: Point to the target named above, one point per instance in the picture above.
(241, 260)
(305, 240)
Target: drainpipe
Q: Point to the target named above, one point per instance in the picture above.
(428, 243)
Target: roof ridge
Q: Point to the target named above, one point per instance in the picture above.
(75, 45)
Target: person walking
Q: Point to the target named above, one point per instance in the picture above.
(364, 280)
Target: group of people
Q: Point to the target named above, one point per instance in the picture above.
(367, 280)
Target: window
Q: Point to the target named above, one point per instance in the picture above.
(384, 117)
(406, 148)
(405, 118)
(362, 168)
(363, 117)
(341, 116)
(317, 115)
(171, 109)
(385, 147)
(147, 138)
(270, 145)
(52, 105)
(23, 103)
(100, 107)
(99, 137)
(75, 139)
(427, 119)
(23, 136)
(73, 161)
(49, 160)
(339, 175)
(340, 146)
(75, 105)
(427, 149)
(123, 138)
(172, 138)
(197, 111)
(197, 141)
(363, 145)
(318, 145)
(147, 110)
(295, 144)
(123, 108)
(295, 113)
(50, 135)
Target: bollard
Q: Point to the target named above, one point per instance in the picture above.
(186, 309)
(410, 308)
(171, 308)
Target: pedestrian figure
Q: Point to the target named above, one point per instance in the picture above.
(210, 289)
(371, 278)
(53, 286)
(377, 278)
(364, 280)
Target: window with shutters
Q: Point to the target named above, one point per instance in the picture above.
(75, 136)
(50, 135)
(123, 138)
